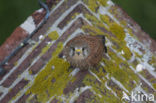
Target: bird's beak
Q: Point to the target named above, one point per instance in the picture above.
(78, 51)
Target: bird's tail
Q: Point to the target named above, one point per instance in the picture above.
(104, 42)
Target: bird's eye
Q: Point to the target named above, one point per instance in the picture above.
(83, 48)
(73, 48)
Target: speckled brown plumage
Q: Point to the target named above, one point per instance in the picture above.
(96, 48)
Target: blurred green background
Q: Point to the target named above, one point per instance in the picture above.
(13, 13)
(143, 12)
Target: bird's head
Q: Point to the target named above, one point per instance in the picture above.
(78, 52)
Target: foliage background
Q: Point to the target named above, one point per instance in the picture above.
(15, 12)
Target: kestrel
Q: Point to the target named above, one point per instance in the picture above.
(85, 51)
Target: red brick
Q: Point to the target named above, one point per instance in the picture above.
(43, 60)
(86, 95)
(1, 93)
(14, 91)
(54, 101)
(50, 3)
(148, 76)
(38, 16)
(12, 42)
(25, 64)
(23, 98)
(77, 83)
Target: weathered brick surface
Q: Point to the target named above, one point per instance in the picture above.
(13, 41)
(23, 98)
(78, 9)
(14, 91)
(42, 61)
(99, 85)
(25, 64)
(38, 16)
(84, 96)
(142, 36)
(51, 3)
(54, 101)
(77, 83)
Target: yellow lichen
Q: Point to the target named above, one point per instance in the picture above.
(44, 50)
(91, 18)
(43, 86)
(105, 18)
(117, 30)
(127, 53)
(53, 35)
(154, 85)
(92, 4)
(123, 74)
(103, 2)
(152, 61)
(30, 72)
(15, 64)
(100, 89)
(92, 30)
(138, 55)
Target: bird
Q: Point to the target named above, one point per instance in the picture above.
(85, 51)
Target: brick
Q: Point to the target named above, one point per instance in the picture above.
(54, 16)
(115, 87)
(54, 101)
(51, 3)
(148, 76)
(77, 83)
(38, 16)
(78, 9)
(34, 99)
(12, 42)
(24, 65)
(14, 91)
(23, 98)
(1, 93)
(42, 61)
(86, 95)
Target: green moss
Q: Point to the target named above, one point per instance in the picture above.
(43, 86)
(53, 35)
